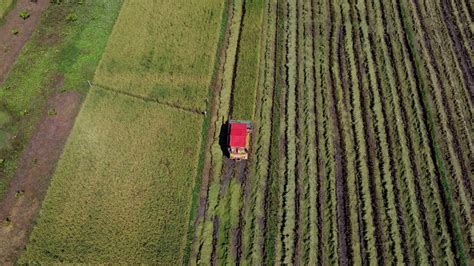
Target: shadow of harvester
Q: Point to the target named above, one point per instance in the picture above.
(223, 137)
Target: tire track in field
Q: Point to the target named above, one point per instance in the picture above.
(228, 168)
(338, 146)
(346, 109)
(147, 99)
(217, 85)
(243, 178)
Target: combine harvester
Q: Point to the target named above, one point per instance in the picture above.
(238, 143)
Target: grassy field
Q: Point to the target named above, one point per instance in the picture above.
(134, 156)
(62, 62)
(121, 192)
(5, 5)
(163, 50)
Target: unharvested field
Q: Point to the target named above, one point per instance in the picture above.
(163, 50)
(122, 188)
(362, 147)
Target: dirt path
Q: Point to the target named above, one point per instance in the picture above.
(23, 200)
(11, 44)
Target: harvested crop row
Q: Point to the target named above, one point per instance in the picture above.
(406, 180)
(273, 199)
(310, 229)
(288, 220)
(457, 163)
(328, 250)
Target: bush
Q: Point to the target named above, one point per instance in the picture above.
(24, 14)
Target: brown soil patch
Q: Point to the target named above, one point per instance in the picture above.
(10, 44)
(30, 183)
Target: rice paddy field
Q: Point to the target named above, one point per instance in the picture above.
(361, 151)
(132, 189)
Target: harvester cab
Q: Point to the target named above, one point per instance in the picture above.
(239, 132)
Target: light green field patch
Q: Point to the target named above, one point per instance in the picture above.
(122, 189)
(155, 43)
(3, 139)
(4, 7)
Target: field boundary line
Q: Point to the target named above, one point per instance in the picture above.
(146, 99)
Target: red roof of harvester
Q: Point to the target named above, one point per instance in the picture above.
(238, 135)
